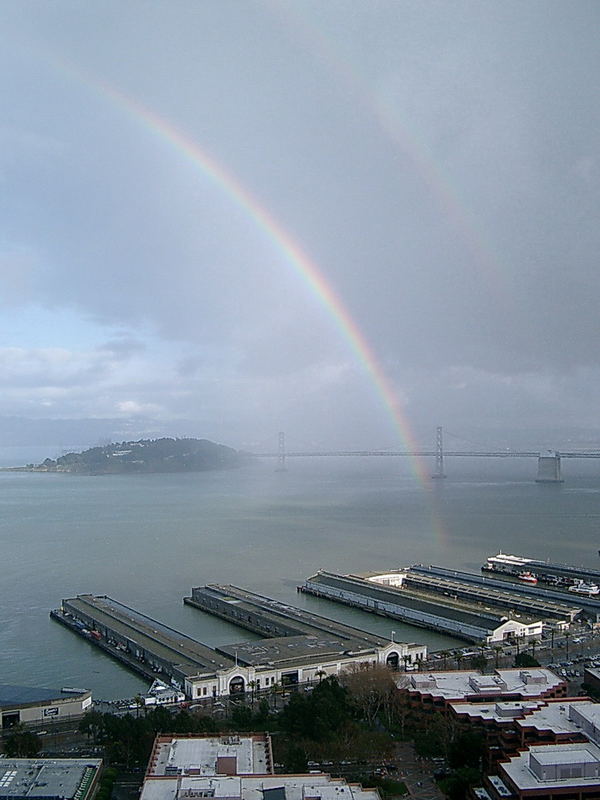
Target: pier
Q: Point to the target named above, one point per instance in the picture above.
(140, 642)
(298, 647)
(463, 605)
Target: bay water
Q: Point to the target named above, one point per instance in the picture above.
(146, 540)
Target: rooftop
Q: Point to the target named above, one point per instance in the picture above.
(26, 695)
(549, 767)
(498, 712)
(276, 787)
(67, 778)
(459, 684)
(292, 648)
(212, 755)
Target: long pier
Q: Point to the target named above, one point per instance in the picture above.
(468, 606)
(138, 641)
(298, 646)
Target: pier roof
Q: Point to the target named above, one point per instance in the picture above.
(26, 695)
(188, 655)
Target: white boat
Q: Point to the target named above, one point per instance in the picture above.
(588, 589)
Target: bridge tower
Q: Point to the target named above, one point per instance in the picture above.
(281, 452)
(439, 454)
(549, 468)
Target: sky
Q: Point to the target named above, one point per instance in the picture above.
(350, 220)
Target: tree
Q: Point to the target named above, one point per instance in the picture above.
(22, 743)
(526, 660)
(533, 644)
(371, 688)
(497, 651)
(467, 750)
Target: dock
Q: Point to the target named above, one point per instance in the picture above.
(298, 647)
(137, 641)
(468, 606)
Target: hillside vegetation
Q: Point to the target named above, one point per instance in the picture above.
(146, 455)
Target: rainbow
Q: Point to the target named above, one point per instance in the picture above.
(304, 266)
(301, 263)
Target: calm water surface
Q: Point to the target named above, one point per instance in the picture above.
(146, 540)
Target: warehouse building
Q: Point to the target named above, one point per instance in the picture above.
(435, 602)
(308, 649)
(25, 705)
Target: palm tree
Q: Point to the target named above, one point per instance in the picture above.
(445, 654)
(139, 703)
(252, 687)
(497, 651)
(567, 636)
(320, 673)
(533, 644)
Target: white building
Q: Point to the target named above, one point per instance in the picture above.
(234, 767)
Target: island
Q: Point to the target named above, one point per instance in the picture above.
(145, 455)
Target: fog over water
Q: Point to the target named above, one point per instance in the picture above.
(146, 540)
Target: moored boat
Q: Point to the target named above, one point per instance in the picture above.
(527, 577)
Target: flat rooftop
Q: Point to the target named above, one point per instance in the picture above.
(493, 593)
(189, 656)
(559, 717)
(294, 649)
(209, 756)
(459, 684)
(276, 787)
(51, 778)
(282, 618)
(29, 695)
(557, 766)
(505, 711)
(444, 607)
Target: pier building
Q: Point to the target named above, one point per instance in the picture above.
(559, 576)
(433, 598)
(299, 647)
(26, 705)
(139, 641)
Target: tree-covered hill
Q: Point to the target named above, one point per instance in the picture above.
(146, 455)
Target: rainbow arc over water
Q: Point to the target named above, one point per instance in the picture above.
(305, 267)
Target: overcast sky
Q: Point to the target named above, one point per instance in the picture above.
(437, 164)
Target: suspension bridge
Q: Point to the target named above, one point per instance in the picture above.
(548, 461)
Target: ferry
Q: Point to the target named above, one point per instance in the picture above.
(527, 577)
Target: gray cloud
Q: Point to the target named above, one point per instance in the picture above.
(436, 164)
